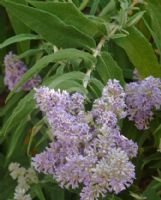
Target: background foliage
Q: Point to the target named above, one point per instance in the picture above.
(71, 44)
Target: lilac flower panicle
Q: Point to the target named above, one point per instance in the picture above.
(113, 99)
(14, 70)
(142, 98)
(88, 148)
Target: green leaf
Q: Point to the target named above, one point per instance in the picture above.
(2, 24)
(110, 6)
(68, 76)
(34, 131)
(50, 27)
(155, 26)
(98, 84)
(21, 111)
(69, 85)
(30, 52)
(3, 36)
(54, 192)
(140, 53)
(7, 109)
(135, 18)
(137, 196)
(65, 54)
(2, 86)
(94, 7)
(156, 2)
(15, 137)
(71, 81)
(157, 179)
(71, 15)
(120, 56)
(157, 135)
(18, 26)
(152, 157)
(111, 197)
(19, 38)
(107, 68)
(96, 87)
(152, 190)
(38, 191)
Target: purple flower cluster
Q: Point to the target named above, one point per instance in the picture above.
(88, 149)
(142, 98)
(113, 99)
(14, 69)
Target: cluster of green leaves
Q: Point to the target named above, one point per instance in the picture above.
(58, 40)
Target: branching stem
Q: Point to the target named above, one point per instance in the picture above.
(95, 54)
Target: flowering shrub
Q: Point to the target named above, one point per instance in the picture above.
(80, 99)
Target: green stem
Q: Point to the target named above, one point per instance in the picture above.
(95, 54)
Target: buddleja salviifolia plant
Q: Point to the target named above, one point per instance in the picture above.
(76, 115)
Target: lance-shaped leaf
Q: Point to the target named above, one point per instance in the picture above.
(107, 68)
(65, 54)
(50, 27)
(19, 38)
(18, 26)
(154, 27)
(71, 15)
(140, 53)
